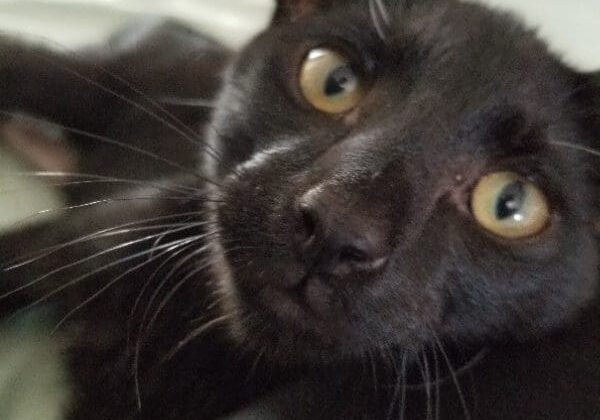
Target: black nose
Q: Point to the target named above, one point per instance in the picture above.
(338, 237)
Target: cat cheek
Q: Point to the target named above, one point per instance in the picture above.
(352, 118)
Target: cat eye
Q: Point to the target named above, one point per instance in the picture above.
(329, 81)
(509, 206)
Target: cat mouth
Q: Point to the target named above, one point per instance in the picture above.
(310, 300)
(310, 317)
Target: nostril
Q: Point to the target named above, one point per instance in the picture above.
(353, 255)
(363, 256)
(309, 221)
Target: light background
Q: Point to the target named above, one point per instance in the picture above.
(572, 26)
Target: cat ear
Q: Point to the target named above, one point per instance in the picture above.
(291, 10)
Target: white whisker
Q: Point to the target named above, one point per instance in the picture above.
(91, 257)
(107, 232)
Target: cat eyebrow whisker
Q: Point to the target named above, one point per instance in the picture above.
(376, 20)
(385, 14)
(380, 17)
(574, 146)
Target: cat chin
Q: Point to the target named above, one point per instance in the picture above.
(286, 333)
(274, 320)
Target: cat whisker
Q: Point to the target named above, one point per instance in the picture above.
(454, 376)
(96, 271)
(126, 146)
(469, 365)
(194, 334)
(146, 327)
(115, 230)
(216, 302)
(437, 382)
(26, 219)
(109, 285)
(93, 256)
(164, 281)
(229, 166)
(147, 284)
(159, 239)
(427, 377)
(385, 14)
(61, 185)
(379, 16)
(197, 332)
(396, 389)
(374, 373)
(577, 147)
(182, 189)
(178, 286)
(255, 363)
(191, 102)
(183, 130)
(403, 395)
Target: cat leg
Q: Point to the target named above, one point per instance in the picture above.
(134, 107)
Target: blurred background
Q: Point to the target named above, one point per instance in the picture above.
(31, 380)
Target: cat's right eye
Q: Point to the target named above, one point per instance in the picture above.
(509, 206)
(330, 82)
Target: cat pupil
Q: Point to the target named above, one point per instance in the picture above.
(510, 200)
(340, 80)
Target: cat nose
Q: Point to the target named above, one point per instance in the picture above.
(334, 239)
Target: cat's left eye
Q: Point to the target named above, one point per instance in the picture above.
(330, 82)
(510, 206)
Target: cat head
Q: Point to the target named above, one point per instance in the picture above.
(394, 173)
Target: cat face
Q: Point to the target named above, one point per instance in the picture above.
(397, 175)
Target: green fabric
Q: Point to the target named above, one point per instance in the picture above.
(33, 383)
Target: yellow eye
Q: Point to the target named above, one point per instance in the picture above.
(509, 206)
(329, 82)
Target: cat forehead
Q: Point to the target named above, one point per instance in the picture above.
(458, 56)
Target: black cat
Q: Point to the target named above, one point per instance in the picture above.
(391, 213)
